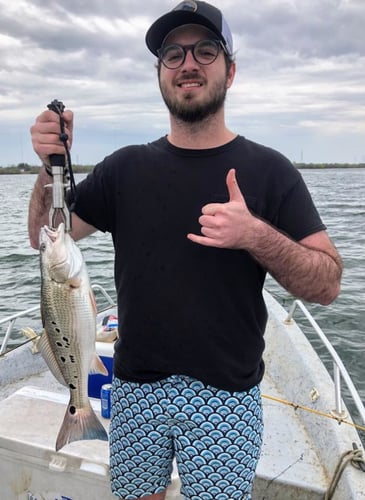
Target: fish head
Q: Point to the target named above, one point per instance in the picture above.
(60, 257)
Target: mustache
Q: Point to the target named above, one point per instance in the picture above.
(186, 77)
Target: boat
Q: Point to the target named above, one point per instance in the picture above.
(312, 447)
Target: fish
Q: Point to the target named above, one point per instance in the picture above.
(68, 311)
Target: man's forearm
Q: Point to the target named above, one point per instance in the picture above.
(39, 206)
(311, 274)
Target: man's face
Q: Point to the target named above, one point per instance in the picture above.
(194, 91)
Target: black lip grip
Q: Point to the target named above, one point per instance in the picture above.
(58, 107)
(57, 160)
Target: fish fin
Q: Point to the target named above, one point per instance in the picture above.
(93, 301)
(79, 424)
(44, 347)
(33, 336)
(43, 315)
(29, 333)
(97, 366)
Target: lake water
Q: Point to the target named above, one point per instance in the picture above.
(339, 195)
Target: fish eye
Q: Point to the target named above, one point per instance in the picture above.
(42, 247)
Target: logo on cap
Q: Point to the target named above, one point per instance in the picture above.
(187, 5)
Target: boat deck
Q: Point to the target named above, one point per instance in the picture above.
(287, 466)
(300, 450)
(288, 460)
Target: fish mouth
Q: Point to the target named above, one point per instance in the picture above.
(48, 234)
(52, 235)
(51, 246)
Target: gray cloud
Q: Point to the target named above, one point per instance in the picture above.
(300, 72)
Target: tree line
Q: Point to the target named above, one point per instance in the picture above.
(25, 168)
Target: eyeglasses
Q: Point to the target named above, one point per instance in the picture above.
(204, 52)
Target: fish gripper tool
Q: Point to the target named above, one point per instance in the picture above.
(61, 174)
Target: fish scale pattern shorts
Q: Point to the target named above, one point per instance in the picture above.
(214, 435)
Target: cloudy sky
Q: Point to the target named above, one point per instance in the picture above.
(300, 86)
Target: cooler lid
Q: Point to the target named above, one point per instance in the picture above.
(30, 420)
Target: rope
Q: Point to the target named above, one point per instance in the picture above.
(316, 412)
(353, 456)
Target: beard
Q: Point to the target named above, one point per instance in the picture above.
(189, 111)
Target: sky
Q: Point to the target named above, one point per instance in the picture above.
(299, 87)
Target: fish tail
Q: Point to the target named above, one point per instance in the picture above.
(79, 424)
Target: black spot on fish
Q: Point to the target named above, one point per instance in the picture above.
(59, 344)
(72, 410)
(71, 386)
(63, 359)
(72, 358)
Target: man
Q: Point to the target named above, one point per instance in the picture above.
(197, 217)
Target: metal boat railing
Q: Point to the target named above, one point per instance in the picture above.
(339, 370)
(10, 321)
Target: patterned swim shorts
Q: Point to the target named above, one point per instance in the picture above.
(214, 435)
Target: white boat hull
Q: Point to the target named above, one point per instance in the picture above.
(299, 456)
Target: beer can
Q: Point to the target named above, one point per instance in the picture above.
(105, 399)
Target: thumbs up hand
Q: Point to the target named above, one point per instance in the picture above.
(226, 225)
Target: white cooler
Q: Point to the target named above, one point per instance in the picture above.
(31, 469)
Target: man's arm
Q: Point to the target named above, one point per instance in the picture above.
(310, 269)
(38, 215)
(45, 139)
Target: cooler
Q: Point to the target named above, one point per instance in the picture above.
(31, 469)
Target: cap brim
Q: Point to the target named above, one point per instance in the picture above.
(162, 27)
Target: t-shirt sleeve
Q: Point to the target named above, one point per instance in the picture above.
(297, 215)
(93, 199)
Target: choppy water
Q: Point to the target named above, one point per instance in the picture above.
(340, 198)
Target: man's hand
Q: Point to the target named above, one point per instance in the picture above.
(309, 269)
(46, 134)
(226, 225)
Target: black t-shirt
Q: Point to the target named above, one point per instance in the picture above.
(186, 308)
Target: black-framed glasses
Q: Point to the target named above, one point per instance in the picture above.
(204, 52)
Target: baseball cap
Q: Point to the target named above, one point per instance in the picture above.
(189, 12)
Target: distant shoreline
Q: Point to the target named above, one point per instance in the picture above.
(324, 166)
(24, 168)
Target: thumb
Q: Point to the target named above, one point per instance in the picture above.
(234, 191)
